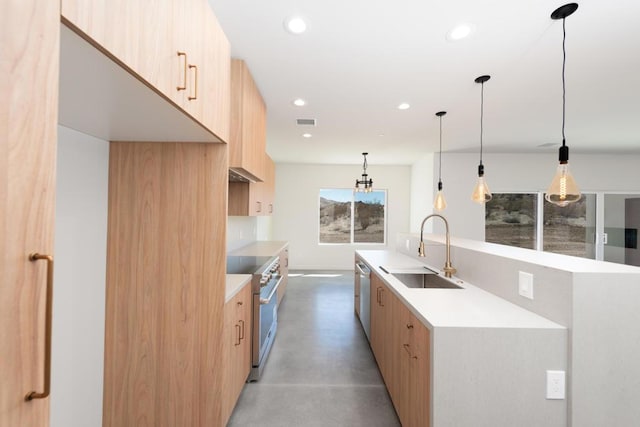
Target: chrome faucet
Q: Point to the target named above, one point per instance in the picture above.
(448, 268)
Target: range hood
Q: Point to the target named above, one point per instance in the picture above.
(241, 175)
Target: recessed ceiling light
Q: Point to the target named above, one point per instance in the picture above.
(460, 31)
(307, 135)
(404, 106)
(295, 25)
(299, 102)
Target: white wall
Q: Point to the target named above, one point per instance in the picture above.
(295, 217)
(423, 189)
(79, 280)
(524, 172)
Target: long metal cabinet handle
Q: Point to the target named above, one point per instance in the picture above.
(406, 347)
(237, 334)
(195, 83)
(259, 209)
(381, 301)
(241, 329)
(184, 74)
(47, 334)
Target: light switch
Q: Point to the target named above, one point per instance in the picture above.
(525, 284)
(555, 384)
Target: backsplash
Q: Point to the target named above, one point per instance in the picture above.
(241, 230)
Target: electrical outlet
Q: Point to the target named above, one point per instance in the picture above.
(407, 245)
(555, 384)
(605, 238)
(525, 284)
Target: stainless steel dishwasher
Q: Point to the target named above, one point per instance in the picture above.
(363, 275)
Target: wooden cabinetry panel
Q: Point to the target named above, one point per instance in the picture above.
(255, 198)
(248, 132)
(28, 137)
(165, 284)
(400, 343)
(145, 37)
(237, 349)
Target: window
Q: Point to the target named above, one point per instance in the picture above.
(348, 217)
(516, 219)
(570, 230)
(510, 219)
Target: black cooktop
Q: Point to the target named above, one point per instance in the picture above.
(247, 264)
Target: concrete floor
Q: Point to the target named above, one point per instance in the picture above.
(321, 371)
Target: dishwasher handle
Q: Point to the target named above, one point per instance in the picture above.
(360, 266)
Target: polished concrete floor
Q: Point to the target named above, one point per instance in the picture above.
(321, 371)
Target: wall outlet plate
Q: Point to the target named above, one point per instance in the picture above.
(555, 384)
(525, 284)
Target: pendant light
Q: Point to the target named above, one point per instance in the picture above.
(563, 189)
(367, 183)
(440, 203)
(481, 192)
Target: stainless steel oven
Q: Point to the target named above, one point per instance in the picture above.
(264, 287)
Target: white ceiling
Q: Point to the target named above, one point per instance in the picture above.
(359, 59)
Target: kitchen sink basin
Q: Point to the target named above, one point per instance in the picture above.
(427, 281)
(420, 277)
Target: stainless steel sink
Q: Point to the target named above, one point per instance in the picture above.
(420, 277)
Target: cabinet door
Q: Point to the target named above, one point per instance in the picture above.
(165, 283)
(247, 139)
(378, 329)
(236, 362)
(114, 24)
(419, 376)
(28, 133)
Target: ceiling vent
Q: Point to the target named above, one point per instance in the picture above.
(306, 122)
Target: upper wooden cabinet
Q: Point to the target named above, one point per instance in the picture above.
(248, 134)
(254, 199)
(177, 47)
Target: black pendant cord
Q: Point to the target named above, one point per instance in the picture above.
(564, 60)
(440, 155)
(481, 118)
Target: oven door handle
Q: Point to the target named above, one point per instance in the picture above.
(264, 301)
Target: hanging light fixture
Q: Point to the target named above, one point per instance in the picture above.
(440, 203)
(367, 183)
(481, 192)
(563, 189)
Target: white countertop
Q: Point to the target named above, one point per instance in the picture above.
(261, 248)
(235, 282)
(470, 307)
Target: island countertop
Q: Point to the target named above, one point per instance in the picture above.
(469, 307)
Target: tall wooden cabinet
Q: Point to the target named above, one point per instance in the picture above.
(165, 284)
(29, 34)
(237, 349)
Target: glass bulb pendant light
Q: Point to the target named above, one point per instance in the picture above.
(440, 203)
(481, 193)
(366, 183)
(563, 189)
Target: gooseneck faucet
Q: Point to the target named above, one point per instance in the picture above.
(448, 268)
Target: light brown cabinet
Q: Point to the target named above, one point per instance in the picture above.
(254, 198)
(248, 133)
(400, 343)
(284, 272)
(179, 50)
(28, 134)
(237, 349)
(165, 284)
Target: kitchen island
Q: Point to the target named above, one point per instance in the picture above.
(487, 358)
